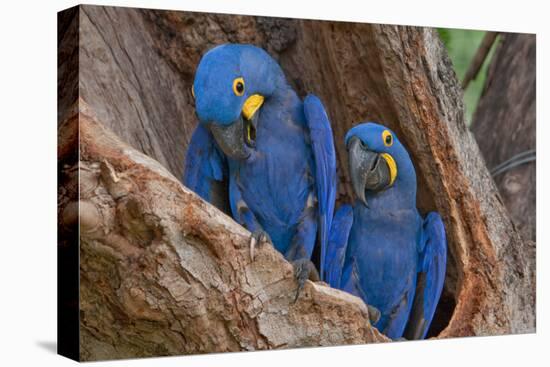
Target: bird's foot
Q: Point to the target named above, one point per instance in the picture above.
(304, 269)
(256, 239)
(374, 314)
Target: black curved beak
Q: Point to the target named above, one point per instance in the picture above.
(368, 170)
(237, 139)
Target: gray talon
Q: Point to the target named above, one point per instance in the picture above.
(304, 269)
(374, 314)
(252, 245)
(256, 239)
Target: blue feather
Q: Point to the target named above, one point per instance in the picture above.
(338, 240)
(325, 168)
(204, 165)
(433, 261)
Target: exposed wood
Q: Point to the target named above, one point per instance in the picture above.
(136, 72)
(164, 273)
(505, 125)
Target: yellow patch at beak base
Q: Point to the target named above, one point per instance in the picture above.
(391, 165)
(251, 105)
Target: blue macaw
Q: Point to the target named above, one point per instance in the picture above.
(381, 249)
(275, 151)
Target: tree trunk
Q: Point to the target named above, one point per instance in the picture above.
(505, 125)
(164, 273)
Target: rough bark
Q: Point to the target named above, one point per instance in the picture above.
(505, 125)
(136, 69)
(164, 273)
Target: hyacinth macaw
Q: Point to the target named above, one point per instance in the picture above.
(275, 151)
(381, 249)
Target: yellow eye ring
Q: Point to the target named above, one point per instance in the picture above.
(387, 138)
(238, 86)
(193, 91)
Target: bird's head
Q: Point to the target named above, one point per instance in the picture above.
(231, 84)
(378, 161)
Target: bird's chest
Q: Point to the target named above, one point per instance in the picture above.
(277, 178)
(384, 249)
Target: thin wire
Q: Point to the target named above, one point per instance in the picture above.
(517, 156)
(517, 160)
(514, 164)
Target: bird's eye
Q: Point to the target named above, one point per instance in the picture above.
(387, 138)
(238, 86)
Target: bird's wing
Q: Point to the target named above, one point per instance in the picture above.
(337, 245)
(325, 167)
(431, 275)
(205, 167)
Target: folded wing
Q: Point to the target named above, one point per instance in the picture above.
(325, 168)
(205, 169)
(431, 276)
(337, 244)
